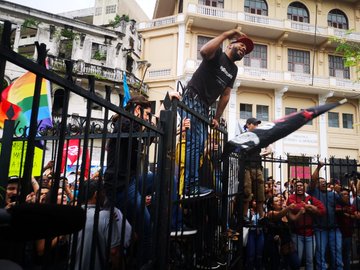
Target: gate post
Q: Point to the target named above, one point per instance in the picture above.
(5, 155)
(164, 192)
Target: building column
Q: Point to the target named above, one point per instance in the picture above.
(180, 47)
(17, 38)
(232, 120)
(278, 146)
(278, 151)
(323, 138)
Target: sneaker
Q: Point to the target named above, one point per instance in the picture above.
(184, 230)
(197, 192)
(221, 262)
(207, 264)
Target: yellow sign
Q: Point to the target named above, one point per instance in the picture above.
(17, 160)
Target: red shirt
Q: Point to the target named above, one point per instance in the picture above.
(346, 223)
(304, 224)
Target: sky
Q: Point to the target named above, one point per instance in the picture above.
(68, 5)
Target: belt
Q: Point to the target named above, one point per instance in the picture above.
(189, 93)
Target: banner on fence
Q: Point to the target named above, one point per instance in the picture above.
(17, 160)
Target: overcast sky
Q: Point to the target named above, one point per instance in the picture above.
(67, 5)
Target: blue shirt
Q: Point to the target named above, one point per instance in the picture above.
(329, 199)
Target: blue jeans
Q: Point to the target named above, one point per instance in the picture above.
(333, 239)
(254, 249)
(346, 242)
(305, 246)
(195, 140)
(139, 217)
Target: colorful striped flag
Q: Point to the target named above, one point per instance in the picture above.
(19, 97)
(126, 90)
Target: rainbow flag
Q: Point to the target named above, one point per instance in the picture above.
(19, 97)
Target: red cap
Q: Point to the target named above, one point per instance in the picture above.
(247, 41)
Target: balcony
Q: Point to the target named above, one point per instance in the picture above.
(266, 78)
(99, 72)
(208, 17)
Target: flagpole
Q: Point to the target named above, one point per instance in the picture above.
(143, 77)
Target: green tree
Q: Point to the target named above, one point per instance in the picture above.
(350, 51)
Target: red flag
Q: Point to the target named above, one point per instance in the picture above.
(73, 151)
(5, 106)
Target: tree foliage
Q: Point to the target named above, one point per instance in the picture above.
(350, 51)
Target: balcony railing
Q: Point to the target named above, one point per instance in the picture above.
(158, 22)
(262, 73)
(160, 73)
(246, 72)
(249, 18)
(215, 12)
(100, 72)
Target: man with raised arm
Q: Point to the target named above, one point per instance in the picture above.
(327, 232)
(213, 79)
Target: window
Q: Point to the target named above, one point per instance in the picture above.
(212, 3)
(258, 7)
(337, 68)
(299, 61)
(65, 48)
(257, 58)
(98, 52)
(129, 64)
(299, 167)
(262, 112)
(57, 107)
(290, 110)
(333, 119)
(245, 111)
(98, 11)
(201, 41)
(298, 12)
(110, 9)
(337, 19)
(347, 120)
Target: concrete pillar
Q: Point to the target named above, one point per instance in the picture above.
(232, 121)
(323, 138)
(278, 146)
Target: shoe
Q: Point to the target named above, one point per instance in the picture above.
(221, 262)
(184, 230)
(207, 264)
(197, 192)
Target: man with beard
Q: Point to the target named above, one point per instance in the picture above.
(327, 232)
(214, 78)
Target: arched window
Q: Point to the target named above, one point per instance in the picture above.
(337, 19)
(58, 101)
(258, 7)
(298, 12)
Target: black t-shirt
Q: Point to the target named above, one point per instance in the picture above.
(213, 76)
(123, 158)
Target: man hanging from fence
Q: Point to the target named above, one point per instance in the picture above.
(214, 78)
(127, 175)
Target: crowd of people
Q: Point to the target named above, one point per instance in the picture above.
(309, 222)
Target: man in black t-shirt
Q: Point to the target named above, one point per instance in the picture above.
(214, 78)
